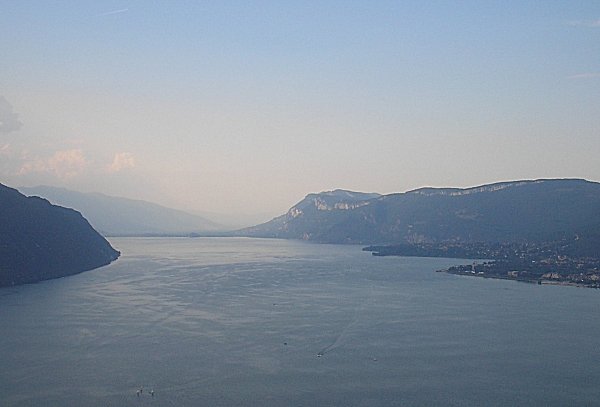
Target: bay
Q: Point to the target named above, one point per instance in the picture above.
(256, 322)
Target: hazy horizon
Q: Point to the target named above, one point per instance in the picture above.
(246, 107)
(239, 220)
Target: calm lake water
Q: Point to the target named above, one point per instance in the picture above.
(240, 322)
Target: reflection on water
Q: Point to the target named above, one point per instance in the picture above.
(249, 322)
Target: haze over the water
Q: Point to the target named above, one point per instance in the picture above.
(244, 107)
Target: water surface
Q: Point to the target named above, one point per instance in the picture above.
(241, 322)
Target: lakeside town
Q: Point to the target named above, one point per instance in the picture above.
(542, 263)
(551, 270)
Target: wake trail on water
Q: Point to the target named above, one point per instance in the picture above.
(338, 340)
(344, 333)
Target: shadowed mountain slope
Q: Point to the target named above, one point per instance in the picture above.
(40, 241)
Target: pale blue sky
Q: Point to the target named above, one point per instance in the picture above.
(245, 107)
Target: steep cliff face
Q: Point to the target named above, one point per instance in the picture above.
(40, 241)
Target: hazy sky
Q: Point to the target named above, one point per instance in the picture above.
(245, 107)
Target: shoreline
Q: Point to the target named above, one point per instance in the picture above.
(528, 281)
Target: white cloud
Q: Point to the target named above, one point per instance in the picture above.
(122, 161)
(63, 164)
(9, 120)
(585, 75)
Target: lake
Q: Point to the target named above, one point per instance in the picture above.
(258, 322)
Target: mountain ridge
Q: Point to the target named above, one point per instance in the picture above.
(496, 186)
(116, 216)
(513, 211)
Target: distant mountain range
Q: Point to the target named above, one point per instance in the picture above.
(40, 241)
(519, 211)
(113, 216)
